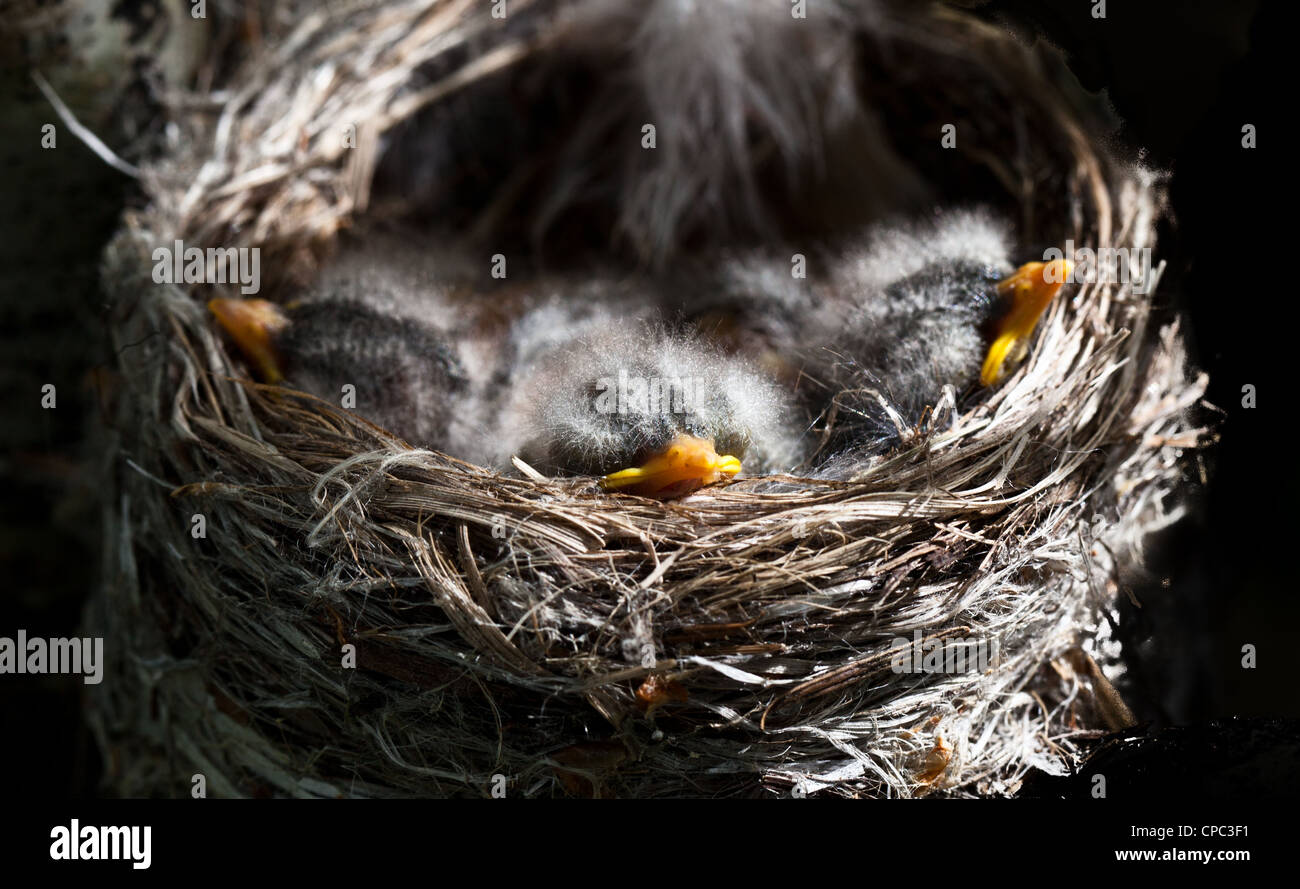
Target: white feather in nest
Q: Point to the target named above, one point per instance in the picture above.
(757, 122)
(709, 77)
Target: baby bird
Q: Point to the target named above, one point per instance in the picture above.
(651, 412)
(380, 321)
(919, 308)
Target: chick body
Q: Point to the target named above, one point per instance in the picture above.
(407, 375)
(391, 320)
(621, 391)
(915, 309)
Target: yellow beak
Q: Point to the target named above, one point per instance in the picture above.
(1031, 289)
(686, 464)
(252, 324)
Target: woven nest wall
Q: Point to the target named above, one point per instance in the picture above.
(737, 643)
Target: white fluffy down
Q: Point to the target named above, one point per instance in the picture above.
(621, 388)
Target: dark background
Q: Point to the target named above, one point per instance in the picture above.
(1183, 76)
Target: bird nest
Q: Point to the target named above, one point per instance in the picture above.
(350, 616)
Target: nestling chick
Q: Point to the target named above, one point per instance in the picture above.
(652, 413)
(922, 308)
(379, 319)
